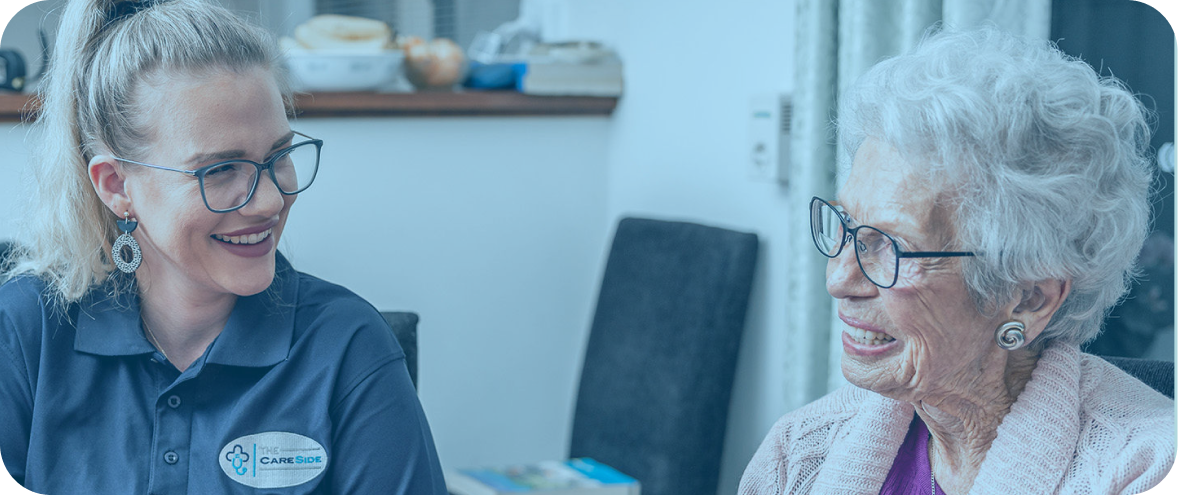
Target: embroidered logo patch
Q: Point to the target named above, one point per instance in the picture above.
(274, 459)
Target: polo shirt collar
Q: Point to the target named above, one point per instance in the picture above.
(258, 333)
(261, 327)
(108, 323)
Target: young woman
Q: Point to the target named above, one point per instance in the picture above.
(152, 339)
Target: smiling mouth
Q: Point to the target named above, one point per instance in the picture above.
(244, 239)
(867, 337)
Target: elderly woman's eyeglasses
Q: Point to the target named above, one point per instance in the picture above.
(227, 186)
(878, 254)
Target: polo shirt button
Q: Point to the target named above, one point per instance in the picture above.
(174, 401)
(171, 457)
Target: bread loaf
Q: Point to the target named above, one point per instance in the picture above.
(331, 32)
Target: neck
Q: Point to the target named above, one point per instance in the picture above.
(183, 319)
(964, 422)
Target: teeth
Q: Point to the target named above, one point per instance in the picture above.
(244, 239)
(867, 337)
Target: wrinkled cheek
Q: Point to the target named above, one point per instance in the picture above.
(908, 274)
(913, 366)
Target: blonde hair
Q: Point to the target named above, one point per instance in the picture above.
(105, 48)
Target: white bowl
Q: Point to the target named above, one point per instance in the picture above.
(325, 70)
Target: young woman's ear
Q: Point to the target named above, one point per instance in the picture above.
(106, 175)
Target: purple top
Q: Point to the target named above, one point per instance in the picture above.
(911, 473)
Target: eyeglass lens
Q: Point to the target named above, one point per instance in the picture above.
(874, 250)
(827, 228)
(231, 184)
(877, 256)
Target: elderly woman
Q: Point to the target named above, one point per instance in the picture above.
(990, 218)
(204, 363)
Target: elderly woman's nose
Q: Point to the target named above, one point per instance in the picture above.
(844, 278)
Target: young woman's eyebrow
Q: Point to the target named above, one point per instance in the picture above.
(231, 154)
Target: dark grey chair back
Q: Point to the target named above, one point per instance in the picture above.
(404, 326)
(1157, 374)
(657, 377)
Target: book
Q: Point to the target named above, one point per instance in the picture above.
(596, 78)
(581, 476)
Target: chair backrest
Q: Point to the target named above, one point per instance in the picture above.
(404, 326)
(657, 377)
(1157, 374)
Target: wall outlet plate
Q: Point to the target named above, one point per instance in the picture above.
(767, 150)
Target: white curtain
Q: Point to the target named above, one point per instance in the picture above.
(838, 40)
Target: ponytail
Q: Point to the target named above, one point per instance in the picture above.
(65, 226)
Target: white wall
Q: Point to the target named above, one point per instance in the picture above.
(12, 166)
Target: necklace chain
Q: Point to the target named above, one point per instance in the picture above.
(155, 341)
(932, 476)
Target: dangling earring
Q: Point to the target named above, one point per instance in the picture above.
(125, 240)
(1010, 335)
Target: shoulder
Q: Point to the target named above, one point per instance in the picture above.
(832, 409)
(28, 322)
(23, 310)
(1108, 394)
(22, 294)
(1127, 428)
(321, 299)
(802, 436)
(808, 430)
(334, 316)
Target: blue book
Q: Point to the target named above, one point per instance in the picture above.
(582, 476)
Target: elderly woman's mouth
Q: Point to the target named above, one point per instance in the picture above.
(867, 337)
(863, 336)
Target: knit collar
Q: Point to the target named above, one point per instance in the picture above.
(1029, 456)
(1038, 437)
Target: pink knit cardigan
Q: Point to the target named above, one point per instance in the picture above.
(1081, 426)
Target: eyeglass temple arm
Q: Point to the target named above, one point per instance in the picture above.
(161, 167)
(934, 254)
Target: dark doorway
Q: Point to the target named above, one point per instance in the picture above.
(1135, 43)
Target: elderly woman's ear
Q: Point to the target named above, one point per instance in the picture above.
(110, 183)
(1038, 304)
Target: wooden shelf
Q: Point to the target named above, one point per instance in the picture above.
(474, 103)
(15, 106)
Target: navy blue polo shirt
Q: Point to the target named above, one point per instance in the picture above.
(304, 391)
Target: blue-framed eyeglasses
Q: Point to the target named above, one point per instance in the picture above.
(878, 253)
(227, 186)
